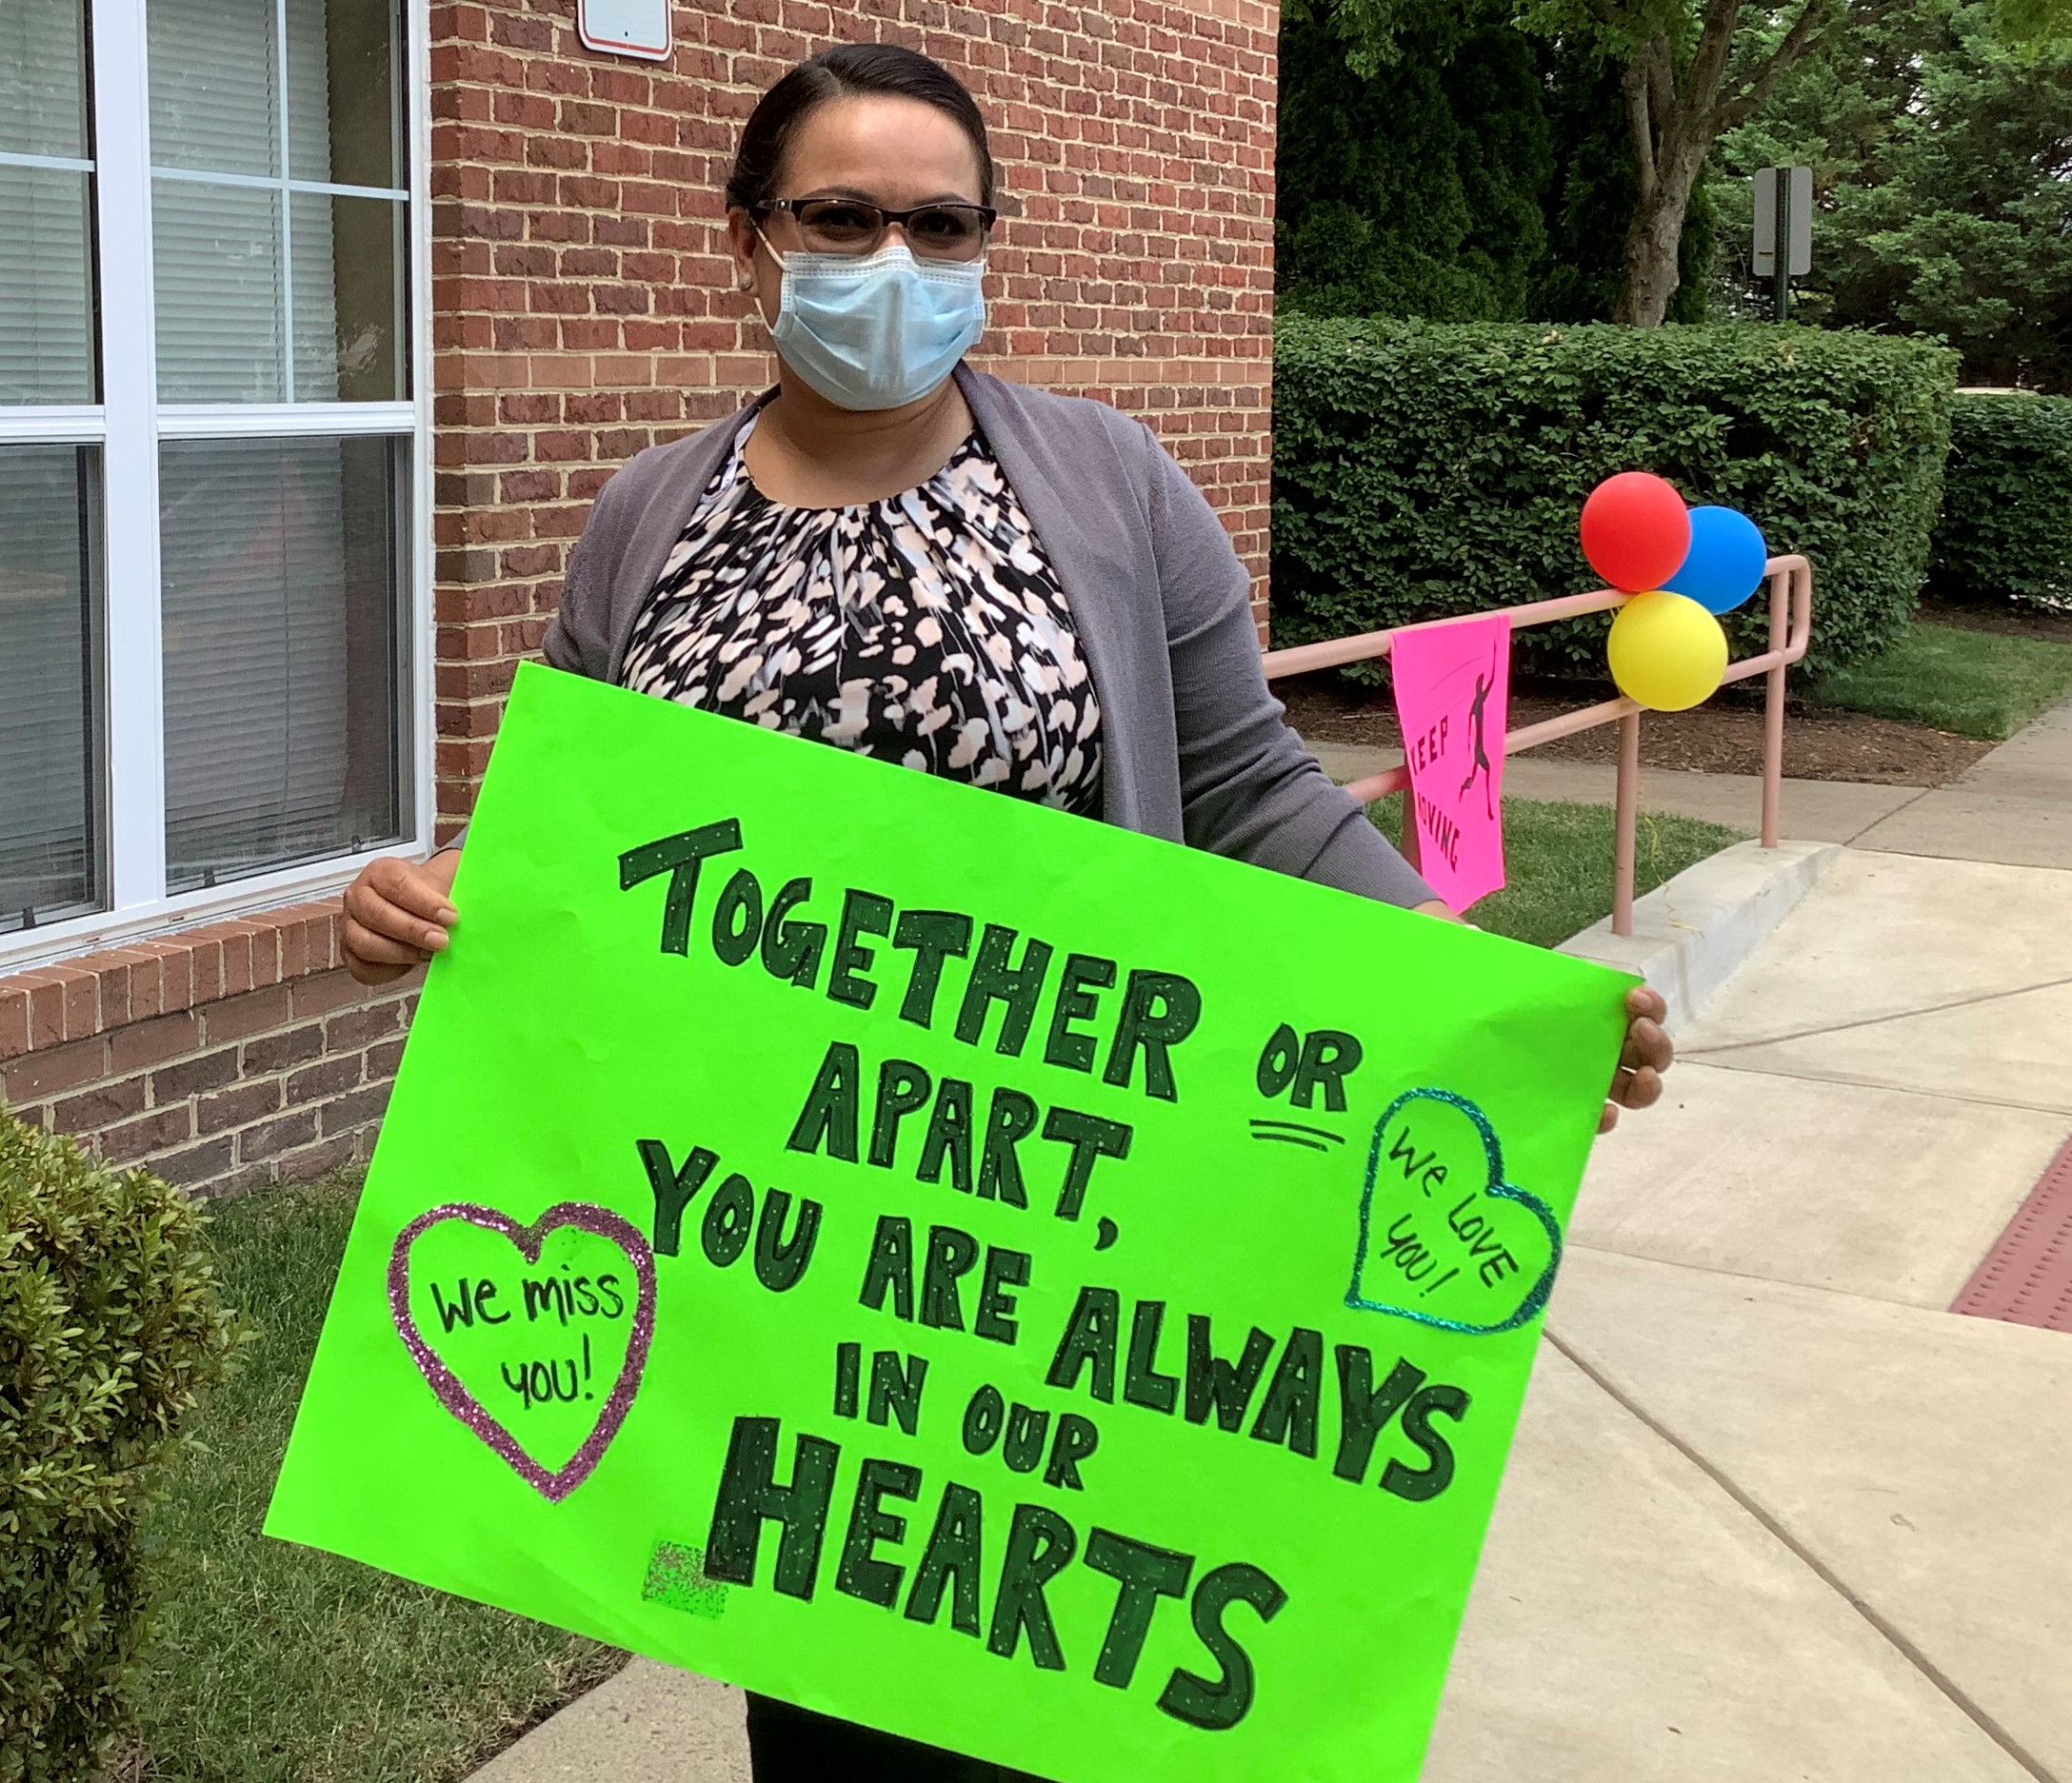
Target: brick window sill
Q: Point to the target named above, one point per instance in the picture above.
(97, 992)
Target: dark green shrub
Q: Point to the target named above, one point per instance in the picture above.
(109, 1326)
(2006, 527)
(1422, 470)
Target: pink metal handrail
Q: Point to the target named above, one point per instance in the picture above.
(1792, 626)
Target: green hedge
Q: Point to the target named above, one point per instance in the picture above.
(2006, 527)
(1422, 469)
(109, 1326)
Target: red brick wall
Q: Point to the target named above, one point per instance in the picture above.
(584, 306)
(226, 1057)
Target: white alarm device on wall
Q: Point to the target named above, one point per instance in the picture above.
(627, 28)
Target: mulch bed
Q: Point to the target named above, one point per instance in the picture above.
(2010, 621)
(1723, 737)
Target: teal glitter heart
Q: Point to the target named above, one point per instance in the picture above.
(1494, 1188)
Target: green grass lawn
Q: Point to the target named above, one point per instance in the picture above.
(275, 1664)
(1977, 683)
(1558, 860)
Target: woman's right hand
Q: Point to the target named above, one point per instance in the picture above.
(397, 914)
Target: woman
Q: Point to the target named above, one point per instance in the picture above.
(894, 554)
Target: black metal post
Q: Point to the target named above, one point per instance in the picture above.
(1783, 260)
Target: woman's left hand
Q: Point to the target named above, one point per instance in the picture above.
(1646, 1054)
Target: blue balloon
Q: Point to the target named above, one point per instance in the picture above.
(1725, 562)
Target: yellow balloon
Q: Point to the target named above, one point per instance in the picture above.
(1666, 651)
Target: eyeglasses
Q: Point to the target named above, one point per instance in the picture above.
(847, 225)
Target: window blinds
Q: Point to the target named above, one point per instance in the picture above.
(48, 772)
(280, 709)
(49, 520)
(43, 78)
(45, 243)
(280, 568)
(241, 268)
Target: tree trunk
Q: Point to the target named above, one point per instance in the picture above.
(1649, 273)
(1673, 121)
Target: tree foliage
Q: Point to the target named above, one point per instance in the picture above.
(1669, 75)
(1941, 150)
(1412, 188)
(1564, 160)
(1689, 70)
(1592, 202)
(1456, 169)
(2033, 21)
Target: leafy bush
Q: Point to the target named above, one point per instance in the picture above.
(109, 1327)
(2006, 527)
(1422, 470)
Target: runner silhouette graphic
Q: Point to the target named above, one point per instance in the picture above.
(1477, 722)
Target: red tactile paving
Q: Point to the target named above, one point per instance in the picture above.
(2026, 1277)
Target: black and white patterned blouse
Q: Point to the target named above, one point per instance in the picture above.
(926, 629)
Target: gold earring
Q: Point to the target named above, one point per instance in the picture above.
(747, 282)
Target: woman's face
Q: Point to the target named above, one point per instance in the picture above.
(895, 153)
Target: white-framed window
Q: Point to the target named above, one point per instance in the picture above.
(214, 559)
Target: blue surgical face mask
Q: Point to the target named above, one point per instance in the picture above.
(879, 330)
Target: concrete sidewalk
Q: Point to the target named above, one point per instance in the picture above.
(2013, 806)
(1773, 1513)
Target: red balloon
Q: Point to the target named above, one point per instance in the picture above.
(1636, 531)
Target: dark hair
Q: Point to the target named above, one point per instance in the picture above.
(838, 74)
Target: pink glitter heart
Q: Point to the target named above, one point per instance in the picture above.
(453, 1395)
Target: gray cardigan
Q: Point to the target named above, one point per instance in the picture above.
(1192, 744)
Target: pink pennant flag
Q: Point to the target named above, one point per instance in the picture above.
(1453, 690)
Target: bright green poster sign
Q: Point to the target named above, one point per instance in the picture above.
(958, 1266)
